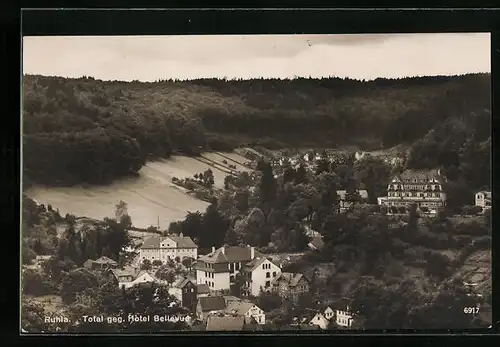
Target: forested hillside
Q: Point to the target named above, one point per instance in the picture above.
(85, 130)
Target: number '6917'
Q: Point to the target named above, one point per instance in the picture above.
(471, 310)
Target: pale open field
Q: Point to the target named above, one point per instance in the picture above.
(150, 196)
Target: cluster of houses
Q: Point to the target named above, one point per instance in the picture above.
(205, 291)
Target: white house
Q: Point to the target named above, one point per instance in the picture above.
(246, 309)
(483, 199)
(163, 248)
(259, 273)
(344, 316)
(219, 268)
(320, 320)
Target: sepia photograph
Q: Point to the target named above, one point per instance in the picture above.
(260, 183)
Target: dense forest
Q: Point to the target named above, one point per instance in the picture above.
(85, 130)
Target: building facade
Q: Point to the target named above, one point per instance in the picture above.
(423, 188)
(169, 247)
(219, 268)
(483, 199)
(258, 275)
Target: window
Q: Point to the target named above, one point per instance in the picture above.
(263, 266)
(268, 283)
(268, 275)
(274, 273)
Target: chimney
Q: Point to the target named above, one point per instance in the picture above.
(213, 249)
(252, 252)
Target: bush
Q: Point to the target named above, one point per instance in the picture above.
(35, 284)
(157, 262)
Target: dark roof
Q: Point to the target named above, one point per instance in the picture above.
(292, 279)
(225, 323)
(121, 273)
(184, 281)
(421, 174)
(229, 254)
(255, 263)
(212, 303)
(181, 241)
(203, 288)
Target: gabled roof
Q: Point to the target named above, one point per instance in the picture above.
(118, 273)
(143, 272)
(203, 288)
(225, 323)
(181, 241)
(362, 192)
(229, 254)
(255, 263)
(292, 279)
(105, 260)
(239, 308)
(152, 242)
(318, 314)
(183, 281)
(212, 303)
(421, 174)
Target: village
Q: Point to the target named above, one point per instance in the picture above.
(235, 288)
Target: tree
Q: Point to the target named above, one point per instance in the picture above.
(166, 274)
(187, 262)
(269, 301)
(76, 281)
(267, 184)
(32, 317)
(121, 214)
(156, 262)
(375, 174)
(214, 227)
(146, 265)
(208, 178)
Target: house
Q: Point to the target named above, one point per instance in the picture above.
(202, 290)
(209, 305)
(329, 313)
(101, 264)
(219, 268)
(185, 290)
(169, 247)
(258, 274)
(316, 243)
(120, 276)
(343, 314)
(290, 285)
(143, 277)
(246, 309)
(225, 323)
(425, 188)
(344, 204)
(320, 320)
(483, 199)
